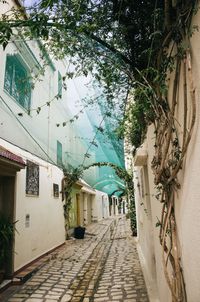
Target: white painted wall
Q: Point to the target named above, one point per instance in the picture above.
(46, 229)
(187, 200)
(34, 137)
(187, 204)
(38, 133)
(100, 206)
(148, 209)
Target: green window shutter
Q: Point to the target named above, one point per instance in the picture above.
(16, 81)
(8, 75)
(59, 84)
(59, 153)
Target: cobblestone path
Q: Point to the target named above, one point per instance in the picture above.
(102, 267)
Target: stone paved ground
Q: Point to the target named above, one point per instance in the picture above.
(102, 267)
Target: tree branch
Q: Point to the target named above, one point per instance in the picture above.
(29, 23)
(109, 47)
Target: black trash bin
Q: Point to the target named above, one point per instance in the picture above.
(79, 232)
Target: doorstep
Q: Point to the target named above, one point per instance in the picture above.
(5, 284)
(29, 270)
(24, 275)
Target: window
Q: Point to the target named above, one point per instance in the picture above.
(16, 81)
(59, 84)
(32, 178)
(59, 153)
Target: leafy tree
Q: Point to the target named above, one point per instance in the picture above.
(114, 40)
(110, 38)
(107, 38)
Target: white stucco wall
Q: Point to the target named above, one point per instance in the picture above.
(187, 199)
(163, 291)
(39, 133)
(187, 206)
(100, 206)
(145, 227)
(46, 228)
(32, 133)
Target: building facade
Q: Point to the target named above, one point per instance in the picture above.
(37, 139)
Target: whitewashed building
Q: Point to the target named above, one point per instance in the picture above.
(38, 138)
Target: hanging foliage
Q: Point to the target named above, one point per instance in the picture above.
(153, 104)
(138, 47)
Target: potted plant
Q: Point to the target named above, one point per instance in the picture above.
(7, 230)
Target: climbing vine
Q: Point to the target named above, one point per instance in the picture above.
(68, 182)
(171, 146)
(155, 102)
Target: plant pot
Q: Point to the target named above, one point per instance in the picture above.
(79, 232)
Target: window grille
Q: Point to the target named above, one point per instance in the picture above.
(32, 178)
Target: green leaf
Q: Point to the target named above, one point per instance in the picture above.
(38, 110)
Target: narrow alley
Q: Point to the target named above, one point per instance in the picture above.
(104, 266)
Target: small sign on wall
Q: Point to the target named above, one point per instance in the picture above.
(55, 190)
(27, 221)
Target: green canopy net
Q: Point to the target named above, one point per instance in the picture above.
(96, 131)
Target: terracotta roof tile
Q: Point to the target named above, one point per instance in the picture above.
(11, 156)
